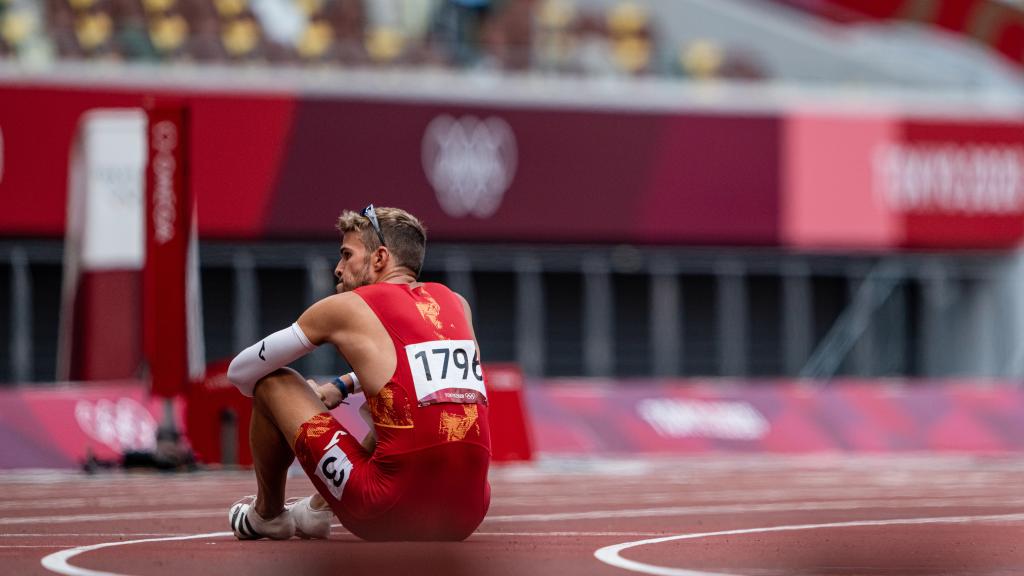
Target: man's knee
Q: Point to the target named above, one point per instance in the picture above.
(273, 384)
(286, 399)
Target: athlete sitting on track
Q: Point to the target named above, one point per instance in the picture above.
(421, 473)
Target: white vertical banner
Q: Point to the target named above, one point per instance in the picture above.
(104, 247)
(194, 301)
(114, 235)
(172, 332)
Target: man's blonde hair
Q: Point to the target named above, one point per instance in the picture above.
(404, 235)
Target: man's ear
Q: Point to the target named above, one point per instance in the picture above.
(381, 257)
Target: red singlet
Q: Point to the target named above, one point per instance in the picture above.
(427, 477)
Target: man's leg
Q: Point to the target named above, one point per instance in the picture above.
(283, 401)
(271, 457)
(369, 443)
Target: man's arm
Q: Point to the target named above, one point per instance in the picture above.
(323, 322)
(326, 319)
(275, 351)
(318, 324)
(329, 393)
(469, 322)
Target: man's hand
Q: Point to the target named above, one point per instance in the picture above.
(328, 393)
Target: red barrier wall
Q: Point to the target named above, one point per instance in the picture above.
(701, 416)
(208, 402)
(283, 165)
(55, 428)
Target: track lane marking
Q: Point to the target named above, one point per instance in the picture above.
(660, 511)
(797, 506)
(532, 500)
(85, 534)
(58, 561)
(111, 516)
(565, 534)
(610, 554)
(339, 529)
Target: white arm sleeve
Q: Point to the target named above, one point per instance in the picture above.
(273, 352)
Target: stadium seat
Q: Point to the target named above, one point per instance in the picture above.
(168, 34)
(316, 41)
(16, 26)
(629, 29)
(241, 37)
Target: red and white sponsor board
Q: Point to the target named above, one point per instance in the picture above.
(706, 416)
(104, 248)
(488, 172)
(59, 427)
(863, 182)
(62, 427)
(131, 252)
(172, 334)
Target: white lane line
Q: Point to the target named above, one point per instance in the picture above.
(638, 496)
(610, 554)
(660, 511)
(565, 534)
(99, 502)
(338, 529)
(742, 508)
(111, 516)
(85, 534)
(58, 561)
(534, 502)
(31, 546)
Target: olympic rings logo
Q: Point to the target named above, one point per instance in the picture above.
(470, 162)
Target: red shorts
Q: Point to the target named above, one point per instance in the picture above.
(436, 493)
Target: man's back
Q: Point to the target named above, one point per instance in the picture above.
(436, 393)
(429, 468)
(415, 357)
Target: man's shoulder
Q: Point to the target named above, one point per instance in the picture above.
(438, 288)
(397, 286)
(340, 302)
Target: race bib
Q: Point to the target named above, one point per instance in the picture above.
(446, 371)
(334, 470)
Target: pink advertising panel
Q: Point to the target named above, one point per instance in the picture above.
(873, 181)
(61, 427)
(696, 417)
(830, 199)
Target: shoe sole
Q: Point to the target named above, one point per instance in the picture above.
(239, 519)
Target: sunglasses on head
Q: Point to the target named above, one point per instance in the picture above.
(371, 215)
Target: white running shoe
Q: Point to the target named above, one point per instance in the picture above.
(310, 522)
(248, 525)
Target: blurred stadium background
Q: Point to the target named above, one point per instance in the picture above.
(738, 207)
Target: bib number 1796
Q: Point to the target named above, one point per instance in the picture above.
(446, 371)
(459, 359)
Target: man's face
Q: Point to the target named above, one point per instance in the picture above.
(353, 269)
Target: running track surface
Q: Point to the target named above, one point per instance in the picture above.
(750, 515)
